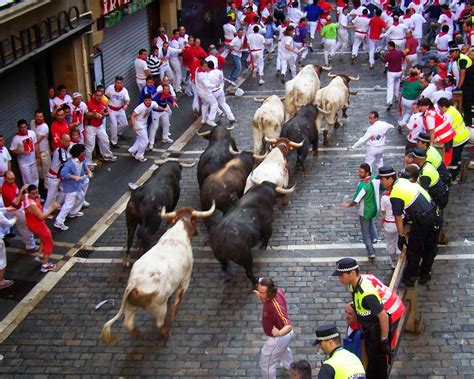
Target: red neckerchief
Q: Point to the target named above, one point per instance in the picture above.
(22, 134)
(447, 13)
(405, 16)
(300, 24)
(411, 79)
(366, 180)
(441, 34)
(164, 96)
(163, 37)
(417, 2)
(354, 325)
(174, 38)
(396, 23)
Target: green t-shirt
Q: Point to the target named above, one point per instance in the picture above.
(330, 31)
(411, 89)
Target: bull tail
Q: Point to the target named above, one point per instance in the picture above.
(106, 337)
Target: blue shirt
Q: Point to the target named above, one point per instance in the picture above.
(270, 29)
(163, 101)
(313, 12)
(300, 34)
(353, 343)
(147, 91)
(69, 168)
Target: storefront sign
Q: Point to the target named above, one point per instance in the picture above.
(35, 36)
(115, 10)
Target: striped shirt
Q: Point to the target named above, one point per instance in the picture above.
(153, 63)
(275, 313)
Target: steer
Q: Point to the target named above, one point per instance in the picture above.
(161, 272)
(302, 89)
(249, 221)
(226, 185)
(331, 99)
(217, 152)
(162, 189)
(267, 121)
(274, 167)
(302, 128)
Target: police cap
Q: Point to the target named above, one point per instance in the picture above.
(418, 152)
(385, 171)
(425, 137)
(326, 332)
(345, 265)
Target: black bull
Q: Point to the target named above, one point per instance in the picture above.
(216, 154)
(242, 227)
(143, 208)
(302, 127)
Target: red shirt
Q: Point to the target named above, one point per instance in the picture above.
(94, 106)
(220, 61)
(9, 192)
(57, 130)
(275, 313)
(249, 19)
(411, 44)
(195, 64)
(376, 25)
(394, 58)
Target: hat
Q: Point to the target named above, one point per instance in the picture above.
(418, 152)
(453, 47)
(324, 333)
(76, 94)
(425, 137)
(345, 265)
(385, 171)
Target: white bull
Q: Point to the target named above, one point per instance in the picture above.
(332, 99)
(161, 272)
(274, 167)
(267, 121)
(302, 89)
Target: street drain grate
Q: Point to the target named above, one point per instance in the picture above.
(84, 253)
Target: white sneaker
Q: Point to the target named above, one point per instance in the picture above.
(86, 204)
(78, 214)
(141, 159)
(168, 140)
(211, 123)
(261, 81)
(60, 226)
(133, 186)
(112, 158)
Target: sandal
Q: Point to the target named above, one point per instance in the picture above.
(8, 283)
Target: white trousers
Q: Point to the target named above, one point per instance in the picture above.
(45, 157)
(209, 107)
(275, 350)
(399, 43)
(375, 46)
(195, 95)
(72, 204)
(257, 61)
(96, 133)
(118, 124)
(374, 157)
(141, 142)
(25, 233)
(157, 119)
(3, 255)
(304, 52)
(359, 39)
(312, 28)
(177, 73)
(406, 110)
(329, 49)
(288, 61)
(393, 85)
(165, 69)
(412, 59)
(220, 97)
(269, 45)
(29, 174)
(391, 238)
(53, 191)
(141, 84)
(342, 39)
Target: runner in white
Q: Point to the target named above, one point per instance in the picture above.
(287, 53)
(216, 78)
(256, 43)
(118, 104)
(205, 88)
(396, 33)
(141, 69)
(442, 42)
(342, 32)
(361, 27)
(78, 111)
(24, 146)
(229, 33)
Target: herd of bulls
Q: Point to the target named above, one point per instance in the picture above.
(241, 186)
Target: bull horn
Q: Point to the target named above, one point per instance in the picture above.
(232, 151)
(296, 144)
(230, 128)
(270, 140)
(203, 133)
(353, 93)
(323, 111)
(331, 75)
(204, 214)
(187, 165)
(353, 78)
(285, 191)
(326, 68)
(260, 157)
(167, 216)
(282, 98)
(258, 100)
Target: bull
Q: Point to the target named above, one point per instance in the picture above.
(267, 121)
(331, 99)
(242, 227)
(302, 128)
(161, 190)
(217, 153)
(161, 272)
(301, 90)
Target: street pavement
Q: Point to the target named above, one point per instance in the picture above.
(217, 331)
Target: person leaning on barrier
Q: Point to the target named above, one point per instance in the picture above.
(371, 315)
(341, 363)
(411, 199)
(434, 157)
(300, 370)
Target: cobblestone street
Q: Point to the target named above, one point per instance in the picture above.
(217, 332)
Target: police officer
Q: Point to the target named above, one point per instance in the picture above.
(341, 363)
(466, 80)
(434, 157)
(412, 200)
(370, 314)
(429, 179)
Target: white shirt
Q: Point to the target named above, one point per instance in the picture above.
(375, 134)
(172, 91)
(25, 144)
(388, 19)
(357, 12)
(386, 206)
(203, 85)
(445, 20)
(140, 67)
(442, 42)
(265, 13)
(80, 111)
(418, 21)
(417, 8)
(229, 31)
(216, 78)
(143, 112)
(396, 32)
(281, 30)
(182, 41)
(117, 99)
(58, 102)
(60, 156)
(42, 130)
(5, 157)
(428, 91)
(408, 22)
(160, 42)
(256, 41)
(282, 50)
(295, 15)
(237, 43)
(439, 94)
(361, 24)
(415, 125)
(5, 222)
(343, 20)
(213, 59)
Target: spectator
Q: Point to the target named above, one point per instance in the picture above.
(78, 112)
(390, 229)
(61, 98)
(5, 159)
(153, 62)
(141, 69)
(58, 128)
(353, 340)
(24, 146)
(4, 222)
(118, 104)
(300, 370)
(41, 129)
(411, 90)
(149, 89)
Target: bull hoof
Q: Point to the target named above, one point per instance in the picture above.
(165, 332)
(135, 333)
(126, 262)
(326, 142)
(315, 153)
(285, 202)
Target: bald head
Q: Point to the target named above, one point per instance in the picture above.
(65, 139)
